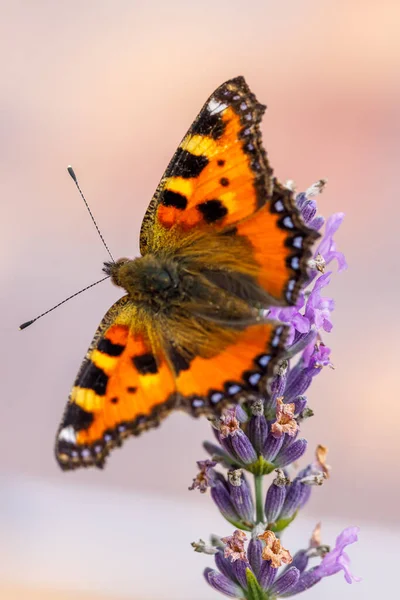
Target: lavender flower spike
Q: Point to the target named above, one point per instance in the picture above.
(261, 434)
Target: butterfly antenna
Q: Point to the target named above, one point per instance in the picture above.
(27, 323)
(72, 173)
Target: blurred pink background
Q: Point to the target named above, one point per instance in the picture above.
(111, 87)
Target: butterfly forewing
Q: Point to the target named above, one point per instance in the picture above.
(219, 174)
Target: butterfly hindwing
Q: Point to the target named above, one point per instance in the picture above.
(123, 387)
(219, 174)
(280, 245)
(207, 385)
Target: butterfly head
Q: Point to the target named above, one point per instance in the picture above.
(147, 277)
(113, 269)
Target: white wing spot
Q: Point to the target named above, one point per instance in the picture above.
(216, 107)
(67, 434)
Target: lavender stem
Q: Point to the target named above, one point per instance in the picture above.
(258, 484)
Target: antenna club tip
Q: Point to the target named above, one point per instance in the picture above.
(72, 173)
(26, 324)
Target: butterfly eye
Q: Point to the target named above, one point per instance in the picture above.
(163, 280)
(159, 279)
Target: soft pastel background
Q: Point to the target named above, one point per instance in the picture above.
(111, 87)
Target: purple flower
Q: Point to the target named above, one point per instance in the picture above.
(316, 356)
(205, 476)
(308, 206)
(292, 316)
(312, 312)
(318, 310)
(337, 559)
(327, 246)
(332, 562)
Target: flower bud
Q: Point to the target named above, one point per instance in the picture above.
(275, 498)
(239, 570)
(300, 560)
(254, 555)
(221, 497)
(243, 448)
(309, 210)
(296, 495)
(300, 404)
(272, 446)
(278, 384)
(222, 584)
(241, 497)
(258, 431)
(267, 574)
(291, 453)
(298, 382)
(224, 564)
(217, 453)
(285, 582)
(317, 223)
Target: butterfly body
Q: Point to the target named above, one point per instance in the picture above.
(221, 242)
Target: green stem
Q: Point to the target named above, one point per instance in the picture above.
(259, 498)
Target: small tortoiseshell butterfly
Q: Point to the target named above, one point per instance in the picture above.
(221, 241)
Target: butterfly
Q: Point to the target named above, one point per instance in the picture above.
(221, 241)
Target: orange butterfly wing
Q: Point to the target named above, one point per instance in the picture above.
(280, 245)
(209, 384)
(123, 387)
(220, 172)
